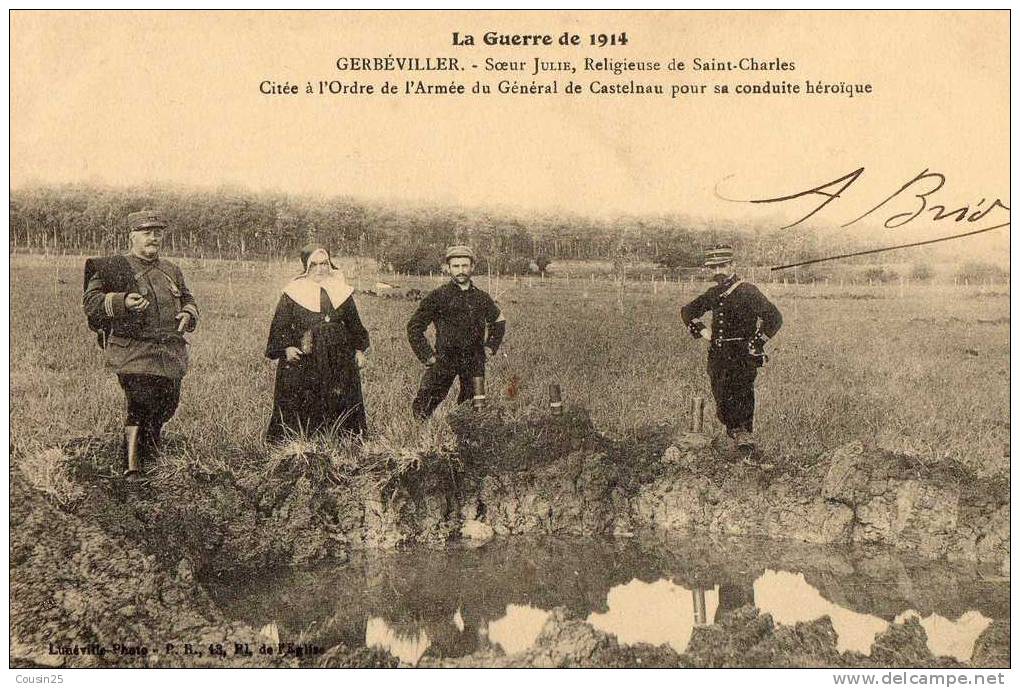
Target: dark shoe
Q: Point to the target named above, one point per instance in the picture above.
(745, 440)
(132, 454)
(754, 458)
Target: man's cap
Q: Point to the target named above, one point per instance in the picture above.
(145, 219)
(459, 251)
(718, 255)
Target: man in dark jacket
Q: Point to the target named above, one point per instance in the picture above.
(743, 319)
(141, 307)
(469, 327)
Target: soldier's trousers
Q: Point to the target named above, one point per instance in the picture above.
(732, 376)
(151, 401)
(438, 378)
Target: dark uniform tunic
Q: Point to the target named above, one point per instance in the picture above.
(321, 390)
(742, 320)
(466, 321)
(144, 349)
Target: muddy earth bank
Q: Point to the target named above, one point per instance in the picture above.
(104, 565)
(743, 638)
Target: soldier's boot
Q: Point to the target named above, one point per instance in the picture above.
(133, 457)
(744, 439)
(149, 445)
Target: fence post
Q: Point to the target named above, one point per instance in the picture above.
(697, 414)
(478, 383)
(555, 399)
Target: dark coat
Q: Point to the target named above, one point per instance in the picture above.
(466, 321)
(145, 343)
(740, 314)
(322, 390)
(743, 319)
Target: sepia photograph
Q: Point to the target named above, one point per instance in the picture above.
(510, 339)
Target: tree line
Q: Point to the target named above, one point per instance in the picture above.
(231, 222)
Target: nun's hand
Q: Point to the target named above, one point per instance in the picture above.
(293, 354)
(361, 359)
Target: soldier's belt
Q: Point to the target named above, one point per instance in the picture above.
(729, 342)
(162, 338)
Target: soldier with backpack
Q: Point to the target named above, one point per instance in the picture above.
(140, 308)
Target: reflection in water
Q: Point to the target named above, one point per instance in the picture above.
(951, 638)
(657, 613)
(518, 629)
(271, 631)
(791, 599)
(407, 647)
(452, 603)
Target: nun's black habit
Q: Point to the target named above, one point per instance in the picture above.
(321, 390)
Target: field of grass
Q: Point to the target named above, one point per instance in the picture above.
(926, 368)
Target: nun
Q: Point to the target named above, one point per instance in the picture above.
(320, 347)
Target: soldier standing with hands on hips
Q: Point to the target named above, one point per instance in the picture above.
(743, 319)
(469, 328)
(140, 307)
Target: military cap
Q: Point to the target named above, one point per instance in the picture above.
(145, 219)
(716, 256)
(459, 251)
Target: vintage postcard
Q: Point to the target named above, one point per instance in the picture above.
(511, 339)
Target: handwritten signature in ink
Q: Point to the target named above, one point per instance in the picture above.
(913, 200)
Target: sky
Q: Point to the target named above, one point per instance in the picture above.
(126, 98)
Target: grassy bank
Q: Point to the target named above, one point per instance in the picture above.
(924, 369)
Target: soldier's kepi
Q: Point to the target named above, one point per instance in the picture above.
(469, 327)
(140, 307)
(743, 319)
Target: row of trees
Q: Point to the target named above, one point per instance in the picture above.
(232, 222)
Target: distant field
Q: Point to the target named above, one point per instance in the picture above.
(927, 370)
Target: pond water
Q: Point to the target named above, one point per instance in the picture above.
(451, 603)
